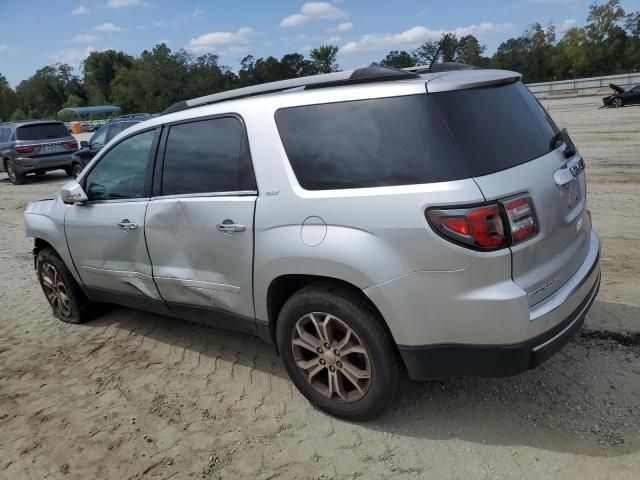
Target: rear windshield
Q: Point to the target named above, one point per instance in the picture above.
(414, 139)
(41, 131)
(496, 128)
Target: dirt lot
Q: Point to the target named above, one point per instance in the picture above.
(135, 395)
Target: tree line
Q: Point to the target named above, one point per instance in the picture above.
(609, 43)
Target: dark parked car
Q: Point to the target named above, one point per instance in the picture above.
(35, 146)
(99, 139)
(622, 97)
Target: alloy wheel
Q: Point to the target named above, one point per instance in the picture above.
(55, 290)
(11, 171)
(331, 357)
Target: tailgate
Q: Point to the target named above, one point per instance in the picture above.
(545, 262)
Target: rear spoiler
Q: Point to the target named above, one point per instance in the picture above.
(466, 79)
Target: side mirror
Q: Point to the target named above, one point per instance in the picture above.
(72, 193)
(84, 144)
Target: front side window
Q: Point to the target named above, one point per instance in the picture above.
(119, 127)
(100, 137)
(121, 172)
(207, 156)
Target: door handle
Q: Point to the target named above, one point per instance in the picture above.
(127, 225)
(228, 226)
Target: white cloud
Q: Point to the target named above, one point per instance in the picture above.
(342, 27)
(214, 40)
(567, 24)
(71, 56)
(83, 38)
(323, 11)
(333, 39)
(417, 35)
(107, 27)
(314, 11)
(124, 3)
(293, 20)
(80, 10)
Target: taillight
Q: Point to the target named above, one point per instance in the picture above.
(489, 226)
(522, 218)
(24, 148)
(72, 144)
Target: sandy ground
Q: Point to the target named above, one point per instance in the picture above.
(136, 395)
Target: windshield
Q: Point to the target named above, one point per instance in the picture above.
(496, 128)
(42, 131)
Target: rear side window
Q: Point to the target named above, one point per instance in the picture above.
(496, 128)
(207, 156)
(41, 131)
(5, 135)
(368, 143)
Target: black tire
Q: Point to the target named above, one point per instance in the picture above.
(617, 102)
(14, 177)
(77, 309)
(76, 168)
(69, 171)
(383, 363)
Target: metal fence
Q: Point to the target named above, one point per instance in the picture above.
(583, 86)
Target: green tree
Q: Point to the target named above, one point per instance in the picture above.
(397, 59)
(100, 70)
(8, 100)
(18, 115)
(324, 58)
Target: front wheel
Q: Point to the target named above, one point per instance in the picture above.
(75, 170)
(617, 102)
(338, 352)
(67, 301)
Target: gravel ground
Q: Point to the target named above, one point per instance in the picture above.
(136, 395)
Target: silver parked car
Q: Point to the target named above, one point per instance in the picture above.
(371, 224)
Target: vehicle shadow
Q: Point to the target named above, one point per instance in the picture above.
(55, 176)
(582, 401)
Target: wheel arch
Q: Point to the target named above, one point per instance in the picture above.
(285, 286)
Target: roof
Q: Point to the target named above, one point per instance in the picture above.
(80, 111)
(350, 77)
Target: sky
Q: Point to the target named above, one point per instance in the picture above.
(34, 33)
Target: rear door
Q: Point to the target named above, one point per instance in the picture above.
(199, 224)
(506, 140)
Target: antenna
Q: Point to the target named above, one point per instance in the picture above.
(435, 57)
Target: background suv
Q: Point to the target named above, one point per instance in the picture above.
(89, 149)
(35, 146)
(372, 224)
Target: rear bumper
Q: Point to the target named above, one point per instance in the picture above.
(27, 164)
(563, 313)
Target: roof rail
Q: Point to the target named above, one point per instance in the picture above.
(359, 75)
(439, 67)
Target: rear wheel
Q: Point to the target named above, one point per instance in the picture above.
(338, 353)
(67, 301)
(617, 102)
(69, 171)
(15, 177)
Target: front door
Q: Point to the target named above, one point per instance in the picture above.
(106, 233)
(199, 225)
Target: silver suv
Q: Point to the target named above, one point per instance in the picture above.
(371, 224)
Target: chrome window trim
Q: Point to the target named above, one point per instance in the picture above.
(114, 200)
(238, 193)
